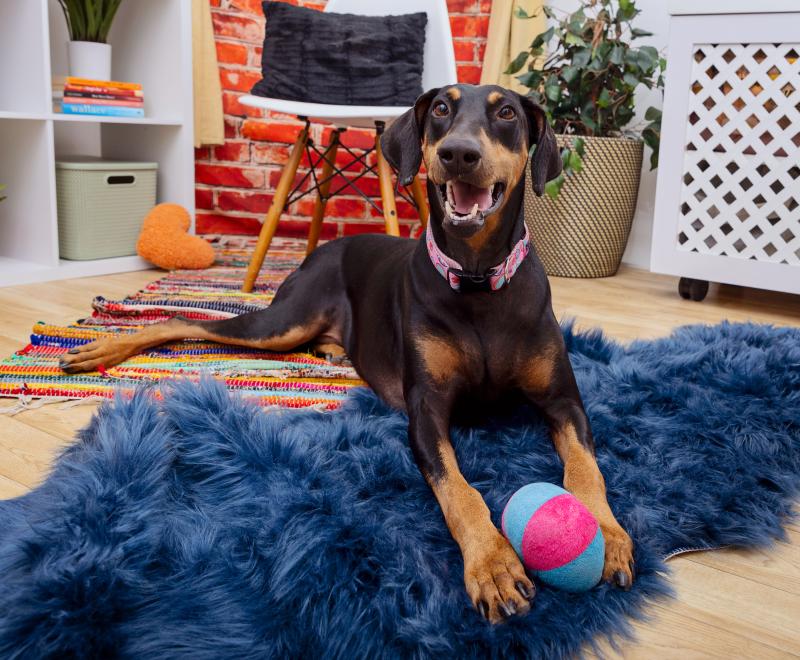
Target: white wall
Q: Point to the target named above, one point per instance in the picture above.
(654, 18)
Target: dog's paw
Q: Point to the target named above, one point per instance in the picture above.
(495, 579)
(619, 565)
(105, 352)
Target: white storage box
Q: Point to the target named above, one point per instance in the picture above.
(101, 206)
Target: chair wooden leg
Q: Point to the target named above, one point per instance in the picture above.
(322, 194)
(387, 190)
(275, 210)
(422, 203)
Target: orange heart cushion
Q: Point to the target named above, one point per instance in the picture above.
(164, 241)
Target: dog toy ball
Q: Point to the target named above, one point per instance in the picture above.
(165, 241)
(556, 536)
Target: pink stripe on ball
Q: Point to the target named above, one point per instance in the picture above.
(559, 531)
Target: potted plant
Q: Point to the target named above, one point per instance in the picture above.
(2, 197)
(88, 22)
(586, 82)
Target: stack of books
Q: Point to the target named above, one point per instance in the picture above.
(80, 96)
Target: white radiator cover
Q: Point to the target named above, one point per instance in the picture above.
(728, 195)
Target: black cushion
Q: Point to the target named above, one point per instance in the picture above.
(341, 59)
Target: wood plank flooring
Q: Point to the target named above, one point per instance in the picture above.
(730, 603)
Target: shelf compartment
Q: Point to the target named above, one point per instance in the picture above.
(27, 231)
(23, 57)
(157, 62)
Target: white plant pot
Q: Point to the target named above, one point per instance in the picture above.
(88, 59)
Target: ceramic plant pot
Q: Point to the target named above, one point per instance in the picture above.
(88, 59)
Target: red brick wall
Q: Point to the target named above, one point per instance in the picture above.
(235, 181)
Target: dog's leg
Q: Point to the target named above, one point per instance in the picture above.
(550, 384)
(298, 315)
(494, 577)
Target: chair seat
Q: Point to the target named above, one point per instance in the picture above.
(362, 116)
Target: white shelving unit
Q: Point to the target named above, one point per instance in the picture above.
(152, 44)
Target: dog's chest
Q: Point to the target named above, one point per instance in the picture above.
(495, 351)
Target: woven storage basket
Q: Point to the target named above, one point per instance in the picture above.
(101, 206)
(584, 231)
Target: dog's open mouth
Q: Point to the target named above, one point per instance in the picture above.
(466, 204)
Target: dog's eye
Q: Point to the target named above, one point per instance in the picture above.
(441, 109)
(507, 112)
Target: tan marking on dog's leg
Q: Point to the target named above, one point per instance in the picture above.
(454, 93)
(493, 574)
(584, 480)
(110, 351)
(329, 350)
(440, 357)
(537, 373)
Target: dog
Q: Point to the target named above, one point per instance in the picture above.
(461, 315)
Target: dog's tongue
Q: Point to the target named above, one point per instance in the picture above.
(466, 196)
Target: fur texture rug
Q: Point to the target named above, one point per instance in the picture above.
(200, 526)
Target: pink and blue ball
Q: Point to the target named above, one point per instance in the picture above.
(556, 536)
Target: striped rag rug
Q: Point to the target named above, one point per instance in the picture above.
(294, 380)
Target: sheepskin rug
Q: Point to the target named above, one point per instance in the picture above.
(199, 526)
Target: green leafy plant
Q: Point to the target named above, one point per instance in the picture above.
(89, 20)
(587, 78)
(2, 188)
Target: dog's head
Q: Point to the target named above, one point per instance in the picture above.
(475, 143)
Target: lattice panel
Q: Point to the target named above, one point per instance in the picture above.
(741, 188)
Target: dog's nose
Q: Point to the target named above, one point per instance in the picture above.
(459, 156)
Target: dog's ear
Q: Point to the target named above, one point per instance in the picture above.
(546, 161)
(401, 143)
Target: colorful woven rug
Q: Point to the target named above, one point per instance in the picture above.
(293, 380)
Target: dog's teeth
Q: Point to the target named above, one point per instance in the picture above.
(449, 209)
(474, 209)
(450, 195)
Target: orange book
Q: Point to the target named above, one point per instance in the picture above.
(85, 82)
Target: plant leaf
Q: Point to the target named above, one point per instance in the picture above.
(574, 39)
(630, 79)
(652, 114)
(517, 63)
(552, 91)
(575, 162)
(552, 188)
(89, 20)
(543, 37)
(105, 25)
(581, 58)
(570, 73)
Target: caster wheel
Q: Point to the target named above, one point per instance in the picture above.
(690, 289)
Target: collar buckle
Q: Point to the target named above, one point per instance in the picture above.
(471, 281)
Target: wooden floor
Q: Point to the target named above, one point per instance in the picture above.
(730, 604)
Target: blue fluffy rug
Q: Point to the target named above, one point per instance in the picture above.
(201, 527)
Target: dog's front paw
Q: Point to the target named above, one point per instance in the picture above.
(104, 352)
(495, 579)
(619, 566)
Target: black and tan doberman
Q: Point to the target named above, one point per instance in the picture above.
(463, 314)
